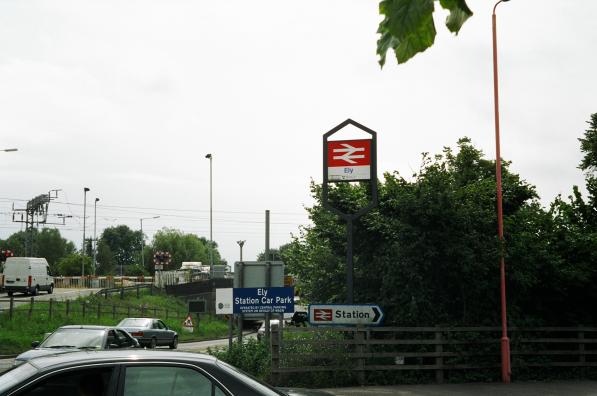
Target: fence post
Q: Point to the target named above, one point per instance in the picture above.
(166, 313)
(105, 294)
(10, 309)
(83, 308)
(122, 292)
(50, 308)
(67, 307)
(360, 338)
(439, 359)
(137, 286)
(113, 311)
(155, 314)
(99, 310)
(128, 311)
(581, 352)
(275, 351)
(31, 307)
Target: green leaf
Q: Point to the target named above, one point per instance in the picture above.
(407, 28)
(459, 13)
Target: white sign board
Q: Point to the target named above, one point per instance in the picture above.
(346, 315)
(224, 301)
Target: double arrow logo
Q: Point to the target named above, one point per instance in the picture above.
(349, 153)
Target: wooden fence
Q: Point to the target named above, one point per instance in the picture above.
(83, 308)
(439, 351)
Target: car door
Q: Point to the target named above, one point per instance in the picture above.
(89, 380)
(166, 379)
(165, 334)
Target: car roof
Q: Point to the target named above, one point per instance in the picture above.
(77, 358)
(139, 318)
(88, 327)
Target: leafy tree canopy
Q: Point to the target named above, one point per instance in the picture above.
(182, 247)
(71, 265)
(429, 252)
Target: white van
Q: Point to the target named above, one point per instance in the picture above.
(28, 275)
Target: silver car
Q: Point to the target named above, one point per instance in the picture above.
(150, 332)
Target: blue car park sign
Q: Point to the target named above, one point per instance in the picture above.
(262, 300)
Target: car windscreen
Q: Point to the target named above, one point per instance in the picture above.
(16, 376)
(132, 322)
(74, 338)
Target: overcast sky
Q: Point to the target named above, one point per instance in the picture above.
(127, 97)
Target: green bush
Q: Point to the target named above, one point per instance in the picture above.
(251, 356)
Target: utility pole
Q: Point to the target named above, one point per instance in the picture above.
(211, 255)
(95, 235)
(85, 189)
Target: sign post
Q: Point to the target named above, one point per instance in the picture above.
(350, 161)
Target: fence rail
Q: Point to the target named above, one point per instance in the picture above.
(99, 282)
(439, 350)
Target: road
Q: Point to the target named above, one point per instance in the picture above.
(58, 295)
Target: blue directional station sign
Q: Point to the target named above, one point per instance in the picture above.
(262, 300)
(345, 314)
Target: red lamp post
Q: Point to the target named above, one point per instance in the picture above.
(505, 341)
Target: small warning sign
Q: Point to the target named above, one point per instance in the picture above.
(188, 323)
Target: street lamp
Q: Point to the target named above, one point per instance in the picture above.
(241, 244)
(85, 189)
(211, 255)
(94, 235)
(9, 150)
(143, 239)
(505, 342)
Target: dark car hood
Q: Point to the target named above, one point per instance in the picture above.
(304, 392)
(25, 356)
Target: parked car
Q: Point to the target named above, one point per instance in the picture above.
(76, 337)
(28, 275)
(299, 318)
(150, 332)
(273, 323)
(135, 373)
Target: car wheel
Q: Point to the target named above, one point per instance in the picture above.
(153, 343)
(10, 294)
(174, 343)
(35, 291)
(51, 289)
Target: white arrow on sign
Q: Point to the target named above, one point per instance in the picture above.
(349, 153)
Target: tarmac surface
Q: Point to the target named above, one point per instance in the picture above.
(564, 388)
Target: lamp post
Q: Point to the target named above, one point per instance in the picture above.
(505, 342)
(211, 256)
(241, 244)
(85, 189)
(94, 235)
(143, 239)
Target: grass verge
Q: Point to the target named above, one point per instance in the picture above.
(30, 323)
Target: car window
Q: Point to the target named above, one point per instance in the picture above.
(166, 381)
(84, 382)
(134, 322)
(161, 325)
(155, 325)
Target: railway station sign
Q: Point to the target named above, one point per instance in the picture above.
(345, 314)
(349, 160)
